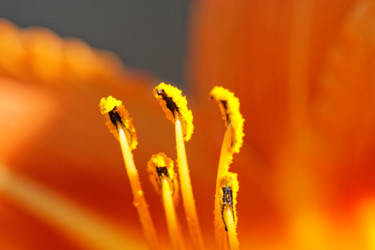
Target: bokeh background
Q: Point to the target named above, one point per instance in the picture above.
(147, 35)
(304, 72)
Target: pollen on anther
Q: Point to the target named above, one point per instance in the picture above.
(230, 109)
(160, 166)
(174, 103)
(228, 194)
(116, 115)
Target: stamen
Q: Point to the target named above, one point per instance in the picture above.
(175, 107)
(162, 176)
(172, 102)
(229, 106)
(228, 193)
(230, 109)
(124, 131)
(160, 166)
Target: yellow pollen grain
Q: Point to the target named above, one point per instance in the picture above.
(174, 104)
(230, 109)
(114, 112)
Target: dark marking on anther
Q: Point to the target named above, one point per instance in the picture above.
(225, 105)
(115, 117)
(227, 200)
(171, 105)
(162, 171)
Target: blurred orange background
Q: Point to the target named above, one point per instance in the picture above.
(304, 74)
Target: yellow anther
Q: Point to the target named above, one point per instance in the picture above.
(159, 167)
(230, 109)
(228, 194)
(174, 104)
(116, 115)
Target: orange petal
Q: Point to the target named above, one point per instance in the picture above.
(51, 130)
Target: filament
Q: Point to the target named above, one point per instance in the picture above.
(170, 214)
(186, 189)
(139, 199)
(231, 227)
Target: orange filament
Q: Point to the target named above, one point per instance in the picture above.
(186, 189)
(231, 227)
(121, 126)
(160, 168)
(139, 199)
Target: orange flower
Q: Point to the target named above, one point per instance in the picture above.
(304, 73)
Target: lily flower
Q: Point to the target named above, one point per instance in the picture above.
(304, 74)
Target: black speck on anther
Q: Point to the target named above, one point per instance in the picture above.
(225, 105)
(115, 117)
(171, 105)
(226, 200)
(162, 171)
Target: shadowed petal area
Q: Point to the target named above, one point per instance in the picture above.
(78, 224)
